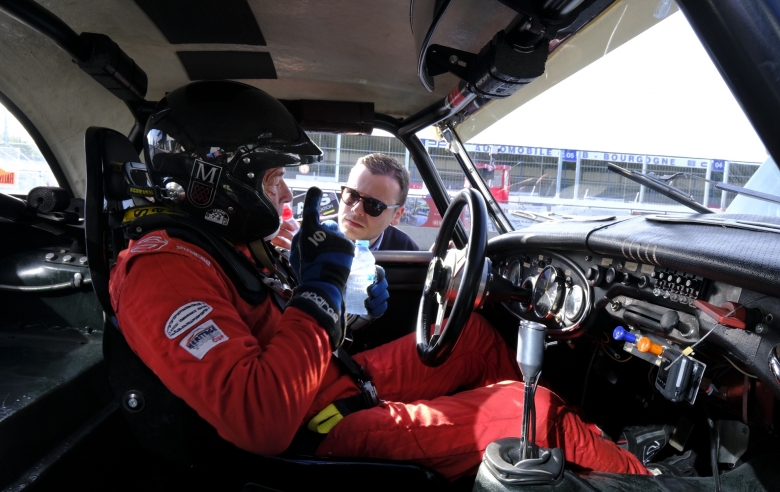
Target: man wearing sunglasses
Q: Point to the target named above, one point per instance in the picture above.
(372, 203)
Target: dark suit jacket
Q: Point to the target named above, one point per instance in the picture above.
(397, 240)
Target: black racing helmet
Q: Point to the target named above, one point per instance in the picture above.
(208, 147)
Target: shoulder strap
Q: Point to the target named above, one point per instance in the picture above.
(260, 250)
(239, 269)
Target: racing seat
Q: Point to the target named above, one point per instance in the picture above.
(163, 423)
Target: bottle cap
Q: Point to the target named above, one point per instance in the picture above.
(287, 213)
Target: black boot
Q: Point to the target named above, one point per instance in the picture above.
(645, 442)
(676, 466)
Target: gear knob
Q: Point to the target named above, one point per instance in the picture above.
(530, 348)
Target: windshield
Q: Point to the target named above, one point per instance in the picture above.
(634, 88)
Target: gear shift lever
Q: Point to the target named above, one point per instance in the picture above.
(530, 354)
(520, 461)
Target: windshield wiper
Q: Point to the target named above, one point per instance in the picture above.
(739, 190)
(749, 193)
(557, 217)
(661, 186)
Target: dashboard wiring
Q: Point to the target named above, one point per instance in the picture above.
(740, 370)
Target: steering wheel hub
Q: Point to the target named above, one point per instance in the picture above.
(433, 278)
(454, 277)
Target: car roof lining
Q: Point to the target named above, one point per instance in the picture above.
(338, 53)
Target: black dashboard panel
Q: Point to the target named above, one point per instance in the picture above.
(638, 270)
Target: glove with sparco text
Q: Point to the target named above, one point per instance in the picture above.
(322, 258)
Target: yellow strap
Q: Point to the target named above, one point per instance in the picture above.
(137, 212)
(324, 421)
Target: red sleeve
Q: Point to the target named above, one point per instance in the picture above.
(180, 316)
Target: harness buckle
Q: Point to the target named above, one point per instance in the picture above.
(370, 397)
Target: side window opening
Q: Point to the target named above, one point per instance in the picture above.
(420, 220)
(22, 165)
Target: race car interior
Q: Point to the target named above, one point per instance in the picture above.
(667, 318)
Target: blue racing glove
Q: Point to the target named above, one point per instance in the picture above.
(376, 304)
(322, 258)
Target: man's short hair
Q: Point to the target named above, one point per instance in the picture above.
(380, 164)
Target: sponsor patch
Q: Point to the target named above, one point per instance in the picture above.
(137, 190)
(149, 243)
(202, 339)
(203, 183)
(186, 317)
(217, 216)
(196, 255)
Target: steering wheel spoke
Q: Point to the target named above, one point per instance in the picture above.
(440, 316)
(453, 277)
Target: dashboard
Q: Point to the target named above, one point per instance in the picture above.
(684, 289)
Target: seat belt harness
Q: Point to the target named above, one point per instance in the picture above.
(325, 420)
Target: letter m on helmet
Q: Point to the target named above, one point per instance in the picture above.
(203, 183)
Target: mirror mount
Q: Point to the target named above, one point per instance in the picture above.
(515, 56)
(442, 59)
(499, 70)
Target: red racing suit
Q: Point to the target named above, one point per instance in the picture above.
(257, 373)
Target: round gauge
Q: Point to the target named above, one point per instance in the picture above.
(528, 283)
(515, 273)
(572, 306)
(548, 292)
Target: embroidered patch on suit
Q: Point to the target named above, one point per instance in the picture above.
(202, 339)
(149, 243)
(185, 318)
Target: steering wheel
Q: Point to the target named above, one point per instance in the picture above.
(454, 276)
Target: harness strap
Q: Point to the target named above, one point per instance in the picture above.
(330, 416)
(259, 250)
(353, 368)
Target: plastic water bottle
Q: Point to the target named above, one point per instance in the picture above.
(360, 278)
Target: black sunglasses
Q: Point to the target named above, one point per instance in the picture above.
(372, 206)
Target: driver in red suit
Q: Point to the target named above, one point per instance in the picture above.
(258, 371)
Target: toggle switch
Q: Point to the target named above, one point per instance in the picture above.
(621, 333)
(645, 345)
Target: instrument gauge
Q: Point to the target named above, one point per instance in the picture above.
(515, 273)
(574, 303)
(548, 292)
(528, 283)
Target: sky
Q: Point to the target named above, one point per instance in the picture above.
(15, 129)
(658, 94)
